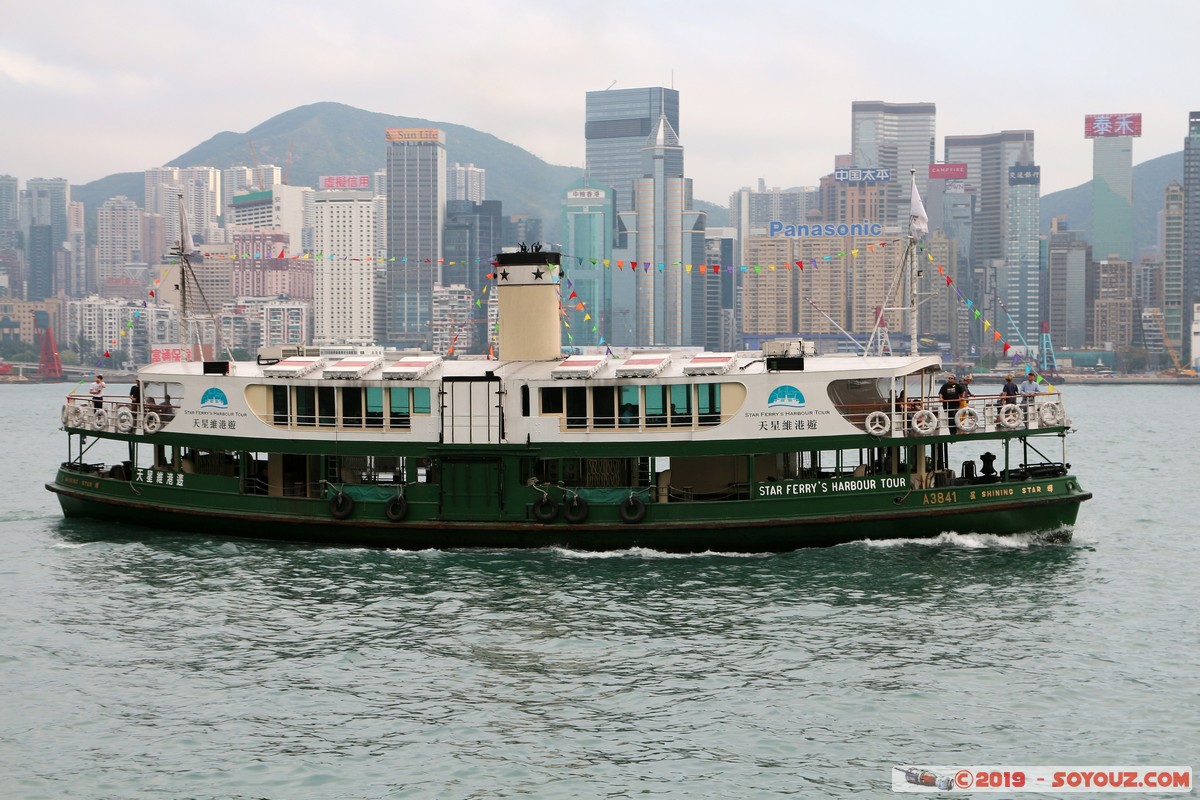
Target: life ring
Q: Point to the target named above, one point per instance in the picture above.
(396, 509)
(967, 419)
(632, 510)
(575, 510)
(341, 506)
(1051, 413)
(878, 423)
(124, 420)
(99, 419)
(152, 422)
(65, 414)
(545, 509)
(1010, 415)
(76, 417)
(924, 422)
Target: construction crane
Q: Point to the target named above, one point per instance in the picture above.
(1157, 315)
(49, 365)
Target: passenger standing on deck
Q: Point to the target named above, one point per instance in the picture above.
(951, 393)
(96, 390)
(1009, 392)
(1029, 390)
(967, 394)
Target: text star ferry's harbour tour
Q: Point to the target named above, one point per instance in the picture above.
(669, 450)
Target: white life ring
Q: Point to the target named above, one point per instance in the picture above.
(124, 420)
(1051, 413)
(76, 417)
(924, 422)
(152, 422)
(1010, 415)
(967, 419)
(878, 423)
(100, 419)
(65, 414)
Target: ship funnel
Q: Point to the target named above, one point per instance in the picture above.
(528, 300)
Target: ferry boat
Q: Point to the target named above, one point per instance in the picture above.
(679, 451)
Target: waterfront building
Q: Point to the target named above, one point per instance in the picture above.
(1191, 235)
(618, 124)
(1174, 304)
(416, 207)
(1112, 182)
(472, 238)
(1112, 311)
(588, 221)
(118, 237)
(1068, 260)
(466, 182)
(345, 267)
(889, 139)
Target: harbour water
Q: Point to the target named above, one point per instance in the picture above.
(162, 666)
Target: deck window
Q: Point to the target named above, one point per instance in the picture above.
(306, 405)
(577, 410)
(374, 395)
(630, 405)
(681, 405)
(420, 400)
(327, 406)
(399, 407)
(604, 407)
(708, 403)
(656, 406)
(552, 400)
(280, 405)
(352, 407)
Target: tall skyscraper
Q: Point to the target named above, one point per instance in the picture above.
(988, 158)
(1112, 182)
(118, 237)
(344, 284)
(895, 137)
(1191, 230)
(1019, 281)
(666, 233)
(1066, 290)
(470, 242)
(1174, 219)
(618, 124)
(416, 203)
(587, 224)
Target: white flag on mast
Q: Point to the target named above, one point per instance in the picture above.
(918, 220)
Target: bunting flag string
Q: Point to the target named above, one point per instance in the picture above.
(973, 313)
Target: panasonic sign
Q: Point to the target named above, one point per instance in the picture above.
(864, 228)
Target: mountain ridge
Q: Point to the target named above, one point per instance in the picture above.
(331, 138)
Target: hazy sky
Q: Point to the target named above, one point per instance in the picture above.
(90, 89)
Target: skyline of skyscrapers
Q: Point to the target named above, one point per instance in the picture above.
(990, 217)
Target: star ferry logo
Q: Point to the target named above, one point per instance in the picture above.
(503, 274)
(538, 274)
(786, 396)
(214, 398)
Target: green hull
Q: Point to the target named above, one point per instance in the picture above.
(767, 524)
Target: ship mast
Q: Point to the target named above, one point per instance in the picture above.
(186, 246)
(918, 225)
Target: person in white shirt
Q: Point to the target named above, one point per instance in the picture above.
(96, 390)
(1029, 390)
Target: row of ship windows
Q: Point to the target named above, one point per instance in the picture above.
(374, 407)
(392, 407)
(681, 405)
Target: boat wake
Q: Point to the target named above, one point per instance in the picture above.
(647, 554)
(978, 541)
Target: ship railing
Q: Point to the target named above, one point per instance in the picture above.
(930, 416)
